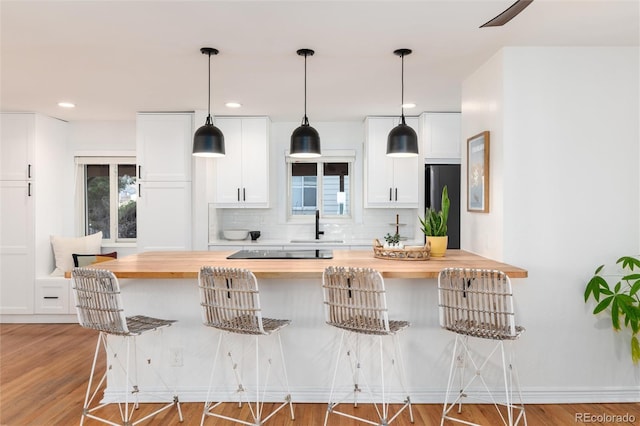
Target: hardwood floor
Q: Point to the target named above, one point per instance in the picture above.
(44, 370)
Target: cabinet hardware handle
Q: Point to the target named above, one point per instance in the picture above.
(51, 297)
(139, 190)
(396, 194)
(29, 189)
(238, 194)
(139, 172)
(29, 171)
(390, 194)
(244, 194)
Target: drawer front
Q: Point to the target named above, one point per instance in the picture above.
(52, 297)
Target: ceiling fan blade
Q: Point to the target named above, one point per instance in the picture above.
(508, 14)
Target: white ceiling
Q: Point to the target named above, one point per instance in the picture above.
(113, 58)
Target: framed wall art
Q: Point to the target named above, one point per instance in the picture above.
(478, 173)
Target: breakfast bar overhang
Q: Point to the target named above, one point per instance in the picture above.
(186, 264)
(164, 284)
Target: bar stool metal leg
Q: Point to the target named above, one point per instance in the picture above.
(330, 405)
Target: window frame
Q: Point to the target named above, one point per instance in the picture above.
(328, 156)
(81, 161)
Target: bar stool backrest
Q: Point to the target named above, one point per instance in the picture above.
(355, 299)
(477, 302)
(230, 300)
(96, 293)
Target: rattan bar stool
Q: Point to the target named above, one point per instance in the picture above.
(355, 302)
(478, 303)
(230, 302)
(99, 307)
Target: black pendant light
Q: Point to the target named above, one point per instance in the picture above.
(402, 140)
(208, 141)
(305, 140)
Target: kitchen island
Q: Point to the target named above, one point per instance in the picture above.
(164, 284)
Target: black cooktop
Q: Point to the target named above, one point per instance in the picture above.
(282, 254)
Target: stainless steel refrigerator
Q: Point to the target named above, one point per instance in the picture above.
(436, 176)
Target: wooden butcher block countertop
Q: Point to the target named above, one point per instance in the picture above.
(186, 264)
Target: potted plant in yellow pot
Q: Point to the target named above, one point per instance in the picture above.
(434, 225)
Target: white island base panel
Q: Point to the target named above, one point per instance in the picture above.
(310, 346)
(187, 347)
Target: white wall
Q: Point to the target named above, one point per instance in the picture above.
(102, 136)
(482, 109)
(565, 124)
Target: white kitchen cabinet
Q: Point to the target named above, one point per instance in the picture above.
(441, 136)
(17, 147)
(17, 247)
(32, 200)
(389, 182)
(242, 176)
(164, 142)
(164, 216)
(53, 296)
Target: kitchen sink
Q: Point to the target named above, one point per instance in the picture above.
(318, 241)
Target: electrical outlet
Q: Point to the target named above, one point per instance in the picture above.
(175, 357)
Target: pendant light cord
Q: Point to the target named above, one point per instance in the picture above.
(209, 120)
(402, 89)
(305, 120)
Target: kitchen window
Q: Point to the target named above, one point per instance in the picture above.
(108, 195)
(322, 184)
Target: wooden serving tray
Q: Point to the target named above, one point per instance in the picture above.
(405, 253)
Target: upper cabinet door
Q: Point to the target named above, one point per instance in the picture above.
(441, 136)
(229, 168)
(242, 175)
(255, 162)
(390, 182)
(17, 146)
(378, 167)
(164, 145)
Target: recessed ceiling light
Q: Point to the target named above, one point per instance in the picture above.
(233, 105)
(408, 105)
(66, 104)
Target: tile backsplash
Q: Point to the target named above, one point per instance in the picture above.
(374, 223)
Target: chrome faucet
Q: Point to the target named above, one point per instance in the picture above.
(318, 231)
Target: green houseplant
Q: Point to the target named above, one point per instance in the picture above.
(622, 301)
(434, 225)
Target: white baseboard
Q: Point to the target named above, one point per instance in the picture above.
(36, 319)
(581, 395)
(529, 396)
